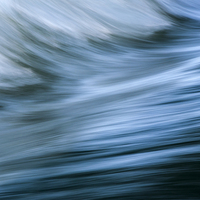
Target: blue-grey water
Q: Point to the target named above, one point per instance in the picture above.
(99, 99)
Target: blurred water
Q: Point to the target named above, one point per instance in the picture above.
(99, 99)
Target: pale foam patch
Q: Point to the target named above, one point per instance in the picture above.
(14, 76)
(93, 18)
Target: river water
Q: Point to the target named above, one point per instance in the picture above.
(99, 99)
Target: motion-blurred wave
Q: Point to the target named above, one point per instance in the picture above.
(99, 99)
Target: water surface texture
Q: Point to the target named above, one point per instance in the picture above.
(99, 99)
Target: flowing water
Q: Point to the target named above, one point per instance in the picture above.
(99, 99)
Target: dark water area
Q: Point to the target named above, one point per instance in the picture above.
(99, 99)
